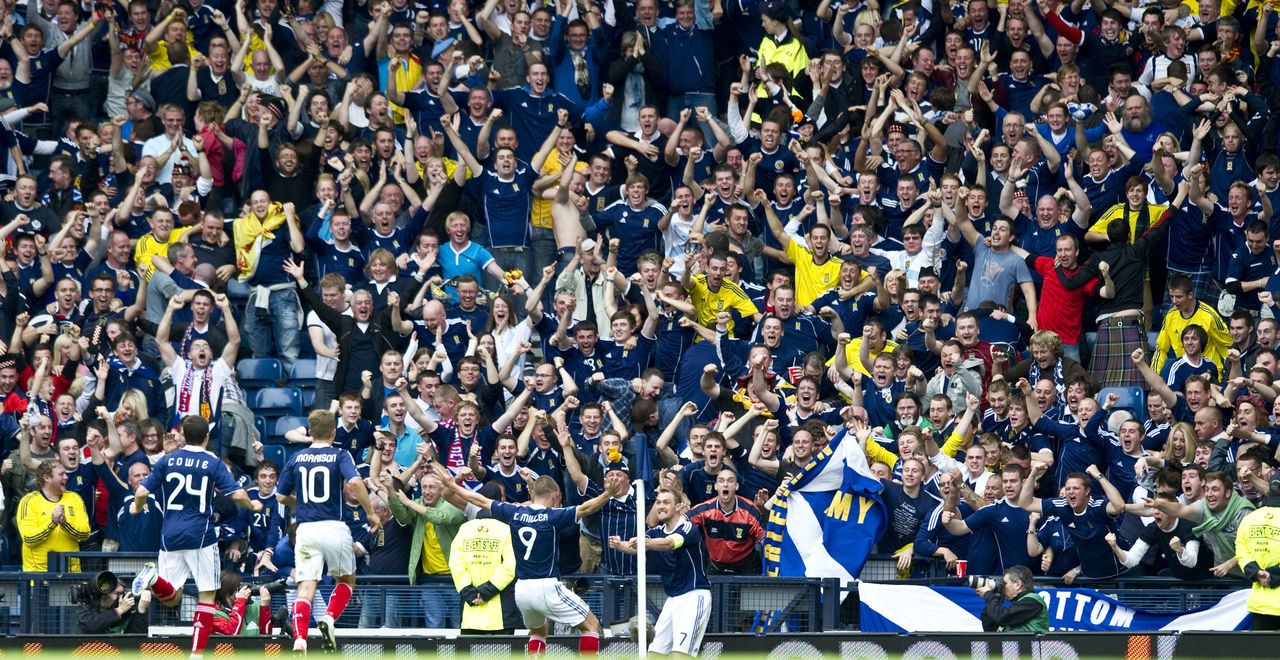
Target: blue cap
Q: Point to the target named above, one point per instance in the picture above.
(441, 46)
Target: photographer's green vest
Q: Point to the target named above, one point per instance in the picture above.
(1040, 624)
(123, 623)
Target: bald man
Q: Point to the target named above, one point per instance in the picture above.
(1211, 431)
(436, 329)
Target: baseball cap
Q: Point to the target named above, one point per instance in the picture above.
(144, 97)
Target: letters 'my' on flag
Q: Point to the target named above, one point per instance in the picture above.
(828, 518)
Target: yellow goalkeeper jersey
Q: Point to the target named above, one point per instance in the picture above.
(1170, 338)
(40, 535)
(709, 303)
(812, 279)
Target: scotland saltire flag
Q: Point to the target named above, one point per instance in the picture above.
(828, 518)
(911, 608)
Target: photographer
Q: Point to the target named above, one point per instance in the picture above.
(1026, 611)
(236, 608)
(105, 607)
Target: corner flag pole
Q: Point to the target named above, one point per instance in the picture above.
(642, 609)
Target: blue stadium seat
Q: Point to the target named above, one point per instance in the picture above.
(303, 374)
(284, 425)
(1133, 399)
(257, 373)
(275, 453)
(308, 398)
(260, 423)
(276, 402)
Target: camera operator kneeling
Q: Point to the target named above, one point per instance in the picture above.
(1026, 611)
(106, 607)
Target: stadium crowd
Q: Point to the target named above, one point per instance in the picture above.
(1023, 251)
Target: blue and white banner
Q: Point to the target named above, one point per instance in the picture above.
(828, 517)
(919, 608)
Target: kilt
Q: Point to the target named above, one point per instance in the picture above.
(1117, 337)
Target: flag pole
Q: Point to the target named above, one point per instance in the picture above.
(642, 609)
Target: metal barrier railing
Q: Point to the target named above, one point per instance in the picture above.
(41, 603)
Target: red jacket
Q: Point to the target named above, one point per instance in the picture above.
(231, 622)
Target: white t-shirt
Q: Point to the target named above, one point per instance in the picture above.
(218, 381)
(326, 367)
(158, 145)
(676, 238)
(508, 341)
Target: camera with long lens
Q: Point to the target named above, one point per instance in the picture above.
(277, 587)
(980, 581)
(90, 593)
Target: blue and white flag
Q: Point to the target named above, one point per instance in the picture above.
(913, 608)
(828, 518)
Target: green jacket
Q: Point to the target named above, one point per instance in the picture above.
(1039, 624)
(248, 623)
(446, 517)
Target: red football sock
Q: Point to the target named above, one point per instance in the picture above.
(202, 626)
(338, 600)
(589, 644)
(537, 646)
(162, 589)
(301, 618)
(265, 621)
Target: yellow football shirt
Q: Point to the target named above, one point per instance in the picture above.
(40, 535)
(812, 279)
(708, 304)
(149, 246)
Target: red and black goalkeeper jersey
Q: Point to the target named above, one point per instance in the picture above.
(731, 537)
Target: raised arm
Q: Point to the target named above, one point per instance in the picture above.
(232, 349)
(666, 455)
(612, 488)
(167, 354)
(1154, 382)
(65, 48)
(464, 152)
(1026, 498)
(549, 144)
(1115, 501)
(775, 224)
